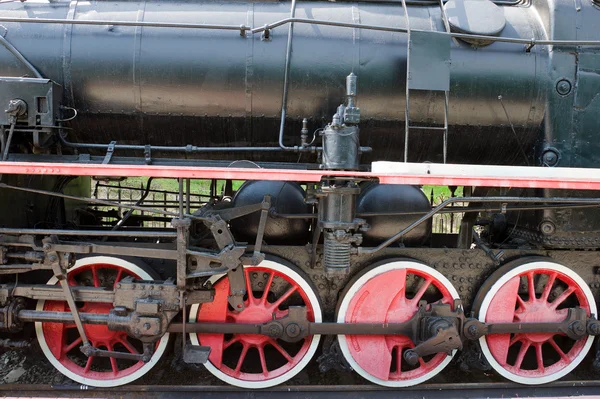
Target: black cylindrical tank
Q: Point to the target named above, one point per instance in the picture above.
(175, 86)
(394, 198)
(286, 198)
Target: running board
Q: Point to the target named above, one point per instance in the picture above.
(386, 172)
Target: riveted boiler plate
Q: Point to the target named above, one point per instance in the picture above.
(477, 17)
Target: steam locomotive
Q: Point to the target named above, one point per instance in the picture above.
(316, 130)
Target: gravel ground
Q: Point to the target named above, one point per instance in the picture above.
(31, 367)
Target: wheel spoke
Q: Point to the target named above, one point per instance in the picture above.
(238, 367)
(68, 348)
(516, 338)
(125, 342)
(422, 290)
(566, 293)
(230, 342)
(263, 361)
(539, 356)
(118, 278)
(267, 288)
(531, 286)
(95, 276)
(520, 302)
(399, 358)
(283, 352)
(285, 296)
(249, 286)
(560, 352)
(548, 288)
(113, 361)
(88, 364)
(522, 351)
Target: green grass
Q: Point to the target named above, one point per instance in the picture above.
(196, 186)
(440, 193)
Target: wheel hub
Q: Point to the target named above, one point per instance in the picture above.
(99, 334)
(538, 312)
(253, 314)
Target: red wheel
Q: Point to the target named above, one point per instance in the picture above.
(257, 361)
(390, 292)
(535, 291)
(60, 342)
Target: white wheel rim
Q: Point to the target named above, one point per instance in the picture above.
(490, 295)
(394, 265)
(268, 264)
(160, 349)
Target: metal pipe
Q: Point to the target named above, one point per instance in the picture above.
(8, 140)
(90, 233)
(138, 203)
(407, 89)
(461, 209)
(531, 42)
(188, 148)
(124, 23)
(286, 74)
(20, 57)
(61, 317)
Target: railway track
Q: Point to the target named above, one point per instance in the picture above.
(561, 389)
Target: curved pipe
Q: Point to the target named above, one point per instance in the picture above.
(20, 57)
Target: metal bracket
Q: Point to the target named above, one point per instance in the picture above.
(148, 154)
(144, 357)
(109, 152)
(196, 354)
(200, 262)
(60, 264)
(237, 288)
(264, 213)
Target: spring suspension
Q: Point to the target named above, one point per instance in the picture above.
(336, 251)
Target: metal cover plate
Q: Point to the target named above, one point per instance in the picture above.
(476, 17)
(429, 61)
(196, 354)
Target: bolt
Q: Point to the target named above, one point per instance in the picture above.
(46, 247)
(547, 227)
(472, 331)
(411, 357)
(550, 157)
(275, 331)
(292, 330)
(563, 87)
(147, 326)
(577, 327)
(118, 285)
(52, 258)
(594, 328)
